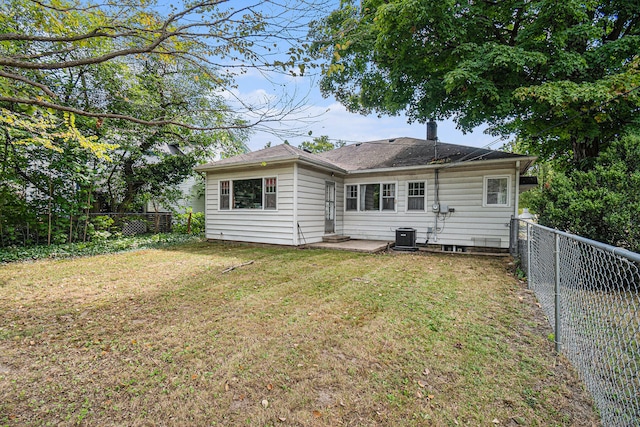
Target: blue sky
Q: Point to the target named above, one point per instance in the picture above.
(327, 117)
(317, 116)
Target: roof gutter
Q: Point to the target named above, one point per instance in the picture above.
(269, 162)
(525, 163)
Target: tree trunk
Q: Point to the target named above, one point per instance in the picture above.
(585, 149)
(49, 224)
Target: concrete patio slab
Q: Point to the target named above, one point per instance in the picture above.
(368, 246)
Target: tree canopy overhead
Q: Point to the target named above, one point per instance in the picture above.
(562, 75)
(107, 104)
(45, 44)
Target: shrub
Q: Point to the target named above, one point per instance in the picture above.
(181, 223)
(601, 203)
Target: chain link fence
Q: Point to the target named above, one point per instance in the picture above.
(589, 291)
(57, 228)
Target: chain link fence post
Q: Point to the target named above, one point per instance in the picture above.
(528, 254)
(590, 294)
(556, 292)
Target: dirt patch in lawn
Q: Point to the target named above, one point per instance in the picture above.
(297, 337)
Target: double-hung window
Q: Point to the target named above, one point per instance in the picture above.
(351, 194)
(225, 187)
(496, 191)
(416, 195)
(270, 193)
(256, 193)
(388, 197)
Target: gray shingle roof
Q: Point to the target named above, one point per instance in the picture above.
(403, 152)
(381, 154)
(282, 152)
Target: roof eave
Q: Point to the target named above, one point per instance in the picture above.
(269, 162)
(528, 161)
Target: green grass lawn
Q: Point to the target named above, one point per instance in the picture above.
(295, 338)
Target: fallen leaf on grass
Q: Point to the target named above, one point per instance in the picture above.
(317, 414)
(422, 384)
(282, 419)
(269, 386)
(265, 403)
(226, 386)
(426, 372)
(495, 421)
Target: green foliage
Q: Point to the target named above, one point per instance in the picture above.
(103, 246)
(102, 222)
(181, 223)
(561, 75)
(105, 106)
(602, 203)
(321, 144)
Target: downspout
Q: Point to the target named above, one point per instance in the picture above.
(437, 202)
(294, 228)
(517, 199)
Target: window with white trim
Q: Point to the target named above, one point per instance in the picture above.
(388, 197)
(416, 196)
(255, 193)
(496, 190)
(370, 197)
(225, 195)
(270, 193)
(351, 194)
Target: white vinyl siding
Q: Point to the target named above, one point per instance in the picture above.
(460, 188)
(191, 199)
(252, 225)
(311, 204)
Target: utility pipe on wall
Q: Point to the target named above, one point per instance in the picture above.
(516, 210)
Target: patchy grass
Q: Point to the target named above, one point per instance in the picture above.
(298, 337)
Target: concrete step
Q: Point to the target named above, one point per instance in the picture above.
(335, 238)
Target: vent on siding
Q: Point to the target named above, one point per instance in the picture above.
(487, 242)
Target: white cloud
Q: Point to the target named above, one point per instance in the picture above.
(328, 117)
(337, 123)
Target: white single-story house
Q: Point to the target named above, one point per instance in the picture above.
(452, 195)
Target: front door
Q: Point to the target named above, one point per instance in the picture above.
(330, 207)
